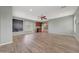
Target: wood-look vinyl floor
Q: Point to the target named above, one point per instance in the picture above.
(42, 43)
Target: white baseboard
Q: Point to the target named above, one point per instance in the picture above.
(21, 33)
(1, 44)
(70, 34)
(76, 36)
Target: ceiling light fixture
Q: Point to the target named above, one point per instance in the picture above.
(30, 10)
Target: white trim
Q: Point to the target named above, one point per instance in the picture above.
(23, 33)
(76, 36)
(1, 44)
(74, 23)
(62, 34)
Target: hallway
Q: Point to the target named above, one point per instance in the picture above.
(42, 43)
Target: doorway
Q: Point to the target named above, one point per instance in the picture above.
(42, 26)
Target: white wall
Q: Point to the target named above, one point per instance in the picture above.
(77, 24)
(5, 24)
(77, 21)
(28, 27)
(63, 25)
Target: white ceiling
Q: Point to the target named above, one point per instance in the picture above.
(32, 12)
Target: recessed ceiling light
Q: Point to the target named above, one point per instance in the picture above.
(30, 10)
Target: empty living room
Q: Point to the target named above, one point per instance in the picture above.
(39, 29)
